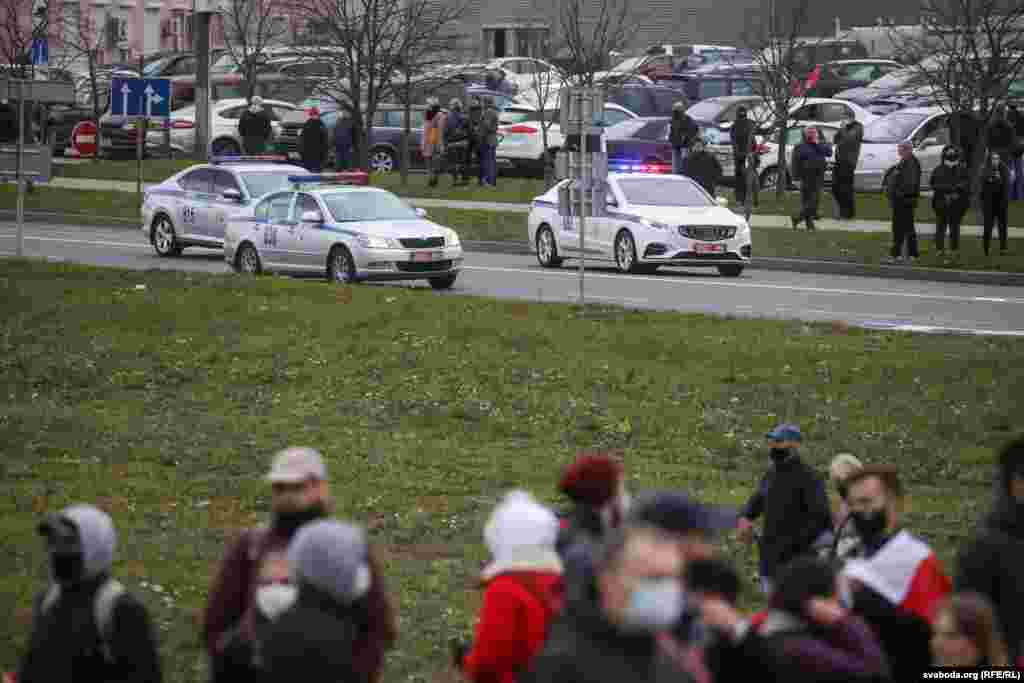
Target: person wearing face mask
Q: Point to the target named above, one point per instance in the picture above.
(899, 582)
(846, 543)
(951, 188)
(86, 627)
(610, 633)
(702, 167)
(299, 495)
(792, 498)
(995, 201)
(989, 563)
(807, 634)
(967, 634)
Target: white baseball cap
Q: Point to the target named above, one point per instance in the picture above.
(297, 464)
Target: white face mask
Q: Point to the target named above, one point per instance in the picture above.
(655, 605)
(273, 599)
(949, 162)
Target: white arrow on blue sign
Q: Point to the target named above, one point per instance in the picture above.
(141, 97)
(40, 52)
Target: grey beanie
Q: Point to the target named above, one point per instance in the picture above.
(96, 532)
(331, 556)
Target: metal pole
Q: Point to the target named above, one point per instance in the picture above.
(20, 169)
(140, 137)
(202, 45)
(580, 192)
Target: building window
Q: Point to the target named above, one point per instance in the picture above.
(515, 41)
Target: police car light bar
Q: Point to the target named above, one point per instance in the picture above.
(231, 158)
(322, 178)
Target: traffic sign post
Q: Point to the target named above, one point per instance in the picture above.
(40, 52)
(141, 99)
(582, 162)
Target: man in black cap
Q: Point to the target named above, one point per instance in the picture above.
(792, 497)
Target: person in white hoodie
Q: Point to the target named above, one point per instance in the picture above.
(523, 591)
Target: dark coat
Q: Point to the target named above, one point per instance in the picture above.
(809, 163)
(796, 512)
(905, 183)
(742, 137)
(683, 130)
(312, 642)
(1002, 137)
(255, 125)
(848, 141)
(64, 644)
(705, 169)
(313, 141)
(905, 637)
(951, 187)
(995, 180)
(343, 133)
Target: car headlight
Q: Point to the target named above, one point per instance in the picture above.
(655, 224)
(371, 242)
(452, 239)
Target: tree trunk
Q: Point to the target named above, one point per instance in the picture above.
(782, 175)
(406, 132)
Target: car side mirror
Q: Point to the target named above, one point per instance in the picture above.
(422, 213)
(312, 217)
(232, 195)
(722, 201)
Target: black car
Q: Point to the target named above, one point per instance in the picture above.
(639, 146)
(644, 100)
(804, 57)
(832, 77)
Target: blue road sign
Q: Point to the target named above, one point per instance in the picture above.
(140, 97)
(40, 52)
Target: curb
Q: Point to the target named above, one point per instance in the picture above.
(759, 263)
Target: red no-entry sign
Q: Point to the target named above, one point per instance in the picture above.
(83, 139)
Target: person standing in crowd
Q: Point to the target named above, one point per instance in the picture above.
(903, 190)
(316, 639)
(254, 127)
(703, 167)
(899, 582)
(846, 542)
(951, 192)
(995, 201)
(792, 497)
(810, 160)
(682, 133)
(610, 632)
(431, 142)
(807, 634)
(86, 626)
(742, 143)
(299, 495)
(989, 563)
(344, 140)
(848, 143)
(456, 142)
(523, 591)
(596, 488)
(475, 149)
(965, 131)
(967, 633)
(489, 144)
(313, 142)
(752, 182)
(1001, 134)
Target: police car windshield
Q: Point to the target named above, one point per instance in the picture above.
(260, 183)
(369, 205)
(663, 192)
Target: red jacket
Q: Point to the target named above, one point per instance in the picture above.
(513, 625)
(233, 593)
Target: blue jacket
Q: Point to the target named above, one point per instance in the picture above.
(810, 160)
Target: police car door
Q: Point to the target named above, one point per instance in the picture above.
(220, 206)
(190, 218)
(276, 224)
(300, 243)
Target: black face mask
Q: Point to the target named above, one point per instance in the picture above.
(290, 521)
(67, 568)
(843, 489)
(870, 525)
(779, 455)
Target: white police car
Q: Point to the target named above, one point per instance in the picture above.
(652, 220)
(324, 225)
(192, 207)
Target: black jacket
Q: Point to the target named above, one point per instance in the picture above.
(704, 168)
(1002, 137)
(995, 180)
(905, 637)
(990, 564)
(848, 141)
(311, 642)
(682, 130)
(313, 141)
(65, 644)
(255, 125)
(796, 511)
(809, 163)
(905, 182)
(951, 187)
(583, 647)
(742, 137)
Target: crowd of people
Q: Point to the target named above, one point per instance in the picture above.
(608, 589)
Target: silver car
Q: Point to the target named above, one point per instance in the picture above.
(347, 233)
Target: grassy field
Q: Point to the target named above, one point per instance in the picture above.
(870, 206)
(162, 395)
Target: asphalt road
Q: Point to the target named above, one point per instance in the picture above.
(870, 302)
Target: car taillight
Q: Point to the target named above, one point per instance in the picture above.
(761, 149)
(180, 124)
(814, 77)
(528, 130)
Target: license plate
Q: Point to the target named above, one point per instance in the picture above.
(426, 256)
(702, 248)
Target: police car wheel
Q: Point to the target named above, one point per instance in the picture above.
(164, 239)
(248, 261)
(730, 270)
(625, 252)
(340, 266)
(547, 250)
(445, 282)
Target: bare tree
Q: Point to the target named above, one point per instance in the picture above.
(22, 22)
(82, 40)
(590, 31)
(975, 52)
(373, 40)
(251, 29)
(777, 43)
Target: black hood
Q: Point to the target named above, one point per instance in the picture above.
(1007, 514)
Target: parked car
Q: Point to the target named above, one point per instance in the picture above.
(172, 64)
(702, 84)
(927, 129)
(832, 77)
(704, 56)
(805, 55)
(224, 118)
(234, 86)
(649, 100)
(922, 96)
(640, 145)
(820, 110)
(720, 112)
(907, 78)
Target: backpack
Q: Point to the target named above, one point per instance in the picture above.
(102, 608)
